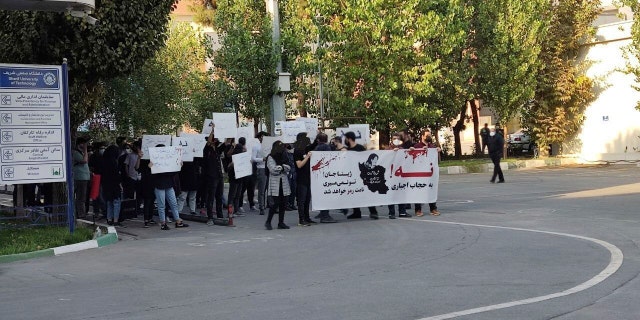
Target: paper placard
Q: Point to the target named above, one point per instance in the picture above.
(290, 130)
(225, 125)
(267, 144)
(340, 132)
(207, 126)
(311, 126)
(199, 142)
(165, 159)
(363, 133)
(242, 164)
(188, 147)
(248, 134)
(150, 141)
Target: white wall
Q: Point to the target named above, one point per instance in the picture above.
(612, 124)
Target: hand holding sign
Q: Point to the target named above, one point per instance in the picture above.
(165, 159)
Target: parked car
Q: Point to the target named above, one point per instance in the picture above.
(520, 143)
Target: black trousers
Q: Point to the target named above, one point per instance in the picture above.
(497, 171)
(250, 186)
(278, 203)
(372, 211)
(304, 202)
(214, 189)
(235, 193)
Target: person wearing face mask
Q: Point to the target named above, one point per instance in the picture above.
(427, 142)
(496, 150)
(397, 144)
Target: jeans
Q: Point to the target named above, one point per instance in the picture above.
(191, 196)
(261, 181)
(214, 193)
(168, 195)
(80, 189)
(113, 209)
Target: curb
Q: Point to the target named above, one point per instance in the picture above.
(520, 164)
(110, 238)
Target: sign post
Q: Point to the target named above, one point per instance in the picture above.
(35, 140)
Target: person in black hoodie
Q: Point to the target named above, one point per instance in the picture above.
(147, 190)
(235, 185)
(111, 184)
(213, 176)
(496, 150)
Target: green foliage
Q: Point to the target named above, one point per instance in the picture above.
(246, 62)
(171, 89)
(563, 91)
(128, 34)
(634, 48)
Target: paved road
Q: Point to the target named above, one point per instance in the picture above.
(415, 268)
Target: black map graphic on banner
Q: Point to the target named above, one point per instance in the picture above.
(372, 175)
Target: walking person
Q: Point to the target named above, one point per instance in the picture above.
(164, 184)
(111, 182)
(81, 176)
(496, 150)
(278, 189)
(214, 177)
(260, 175)
(426, 143)
(350, 139)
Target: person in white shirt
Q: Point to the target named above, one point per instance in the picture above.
(257, 158)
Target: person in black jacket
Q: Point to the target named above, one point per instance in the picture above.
(235, 185)
(321, 139)
(147, 191)
(350, 139)
(111, 183)
(496, 150)
(213, 176)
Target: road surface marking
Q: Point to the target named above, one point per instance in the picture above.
(614, 264)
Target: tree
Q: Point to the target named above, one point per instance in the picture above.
(128, 34)
(171, 89)
(563, 91)
(378, 55)
(633, 51)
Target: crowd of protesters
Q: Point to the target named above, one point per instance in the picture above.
(109, 177)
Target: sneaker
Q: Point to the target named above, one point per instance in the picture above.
(404, 215)
(146, 225)
(311, 222)
(181, 225)
(283, 226)
(241, 210)
(253, 208)
(110, 222)
(164, 227)
(210, 222)
(303, 224)
(268, 226)
(328, 220)
(392, 217)
(373, 216)
(435, 212)
(419, 213)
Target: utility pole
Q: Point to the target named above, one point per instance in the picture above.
(277, 101)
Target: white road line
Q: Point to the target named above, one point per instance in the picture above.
(614, 264)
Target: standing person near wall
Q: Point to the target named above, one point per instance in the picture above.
(428, 142)
(81, 176)
(496, 150)
(350, 138)
(260, 176)
(278, 189)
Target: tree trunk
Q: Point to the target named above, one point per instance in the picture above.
(302, 108)
(457, 128)
(475, 112)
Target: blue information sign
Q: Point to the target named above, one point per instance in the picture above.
(29, 78)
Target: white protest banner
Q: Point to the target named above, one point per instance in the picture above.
(150, 141)
(165, 159)
(267, 144)
(207, 126)
(225, 125)
(290, 130)
(242, 164)
(363, 133)
(352, 179)
(311, 126)
(188, 147)
(199, 141)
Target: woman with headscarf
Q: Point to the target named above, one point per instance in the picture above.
(302, 155)
(278, 189)
(111, 184)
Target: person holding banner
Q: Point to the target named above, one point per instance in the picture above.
(321, 139)
(164, 184)
(260, 175)
(278, 189)
(350, 139)
(301, 155)
(397, 144)
(427, 142)
(235, 185)
(213, 176)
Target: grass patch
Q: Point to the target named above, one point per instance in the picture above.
(39, 238)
